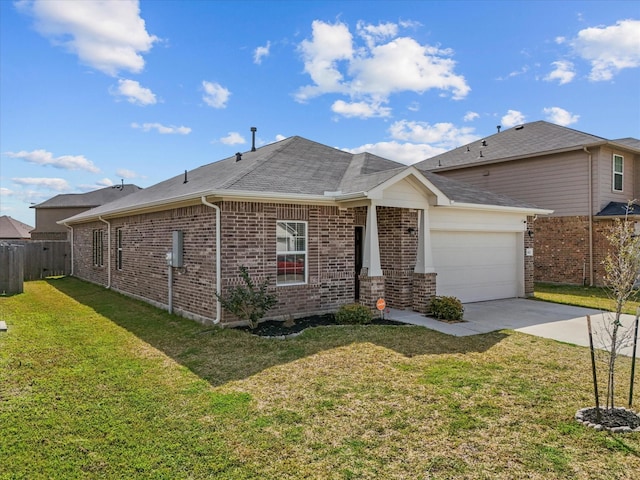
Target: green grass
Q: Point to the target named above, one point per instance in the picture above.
(591, 297)
(96, 385)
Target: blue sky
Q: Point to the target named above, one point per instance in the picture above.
(92, 93)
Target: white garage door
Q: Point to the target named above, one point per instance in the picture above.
(475, 266)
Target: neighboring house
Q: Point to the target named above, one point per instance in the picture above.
(12, 229)
(323, 226)
(49, 212)
(586, 180)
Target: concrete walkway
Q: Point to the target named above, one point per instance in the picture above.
(543, 319)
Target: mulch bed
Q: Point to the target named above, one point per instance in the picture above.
(274, 328)
(617, 420)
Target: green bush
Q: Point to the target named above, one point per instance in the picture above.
(446, 308)
(248, 302)
(354, 314)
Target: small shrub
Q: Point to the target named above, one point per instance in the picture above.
(354, 314)
(248, 302)
(446, 308)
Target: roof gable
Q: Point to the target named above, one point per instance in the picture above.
(14, 229)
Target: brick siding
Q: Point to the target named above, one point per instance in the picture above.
(562, 249)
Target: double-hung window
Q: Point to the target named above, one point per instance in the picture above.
(291, 240)
(119, 248)
(618, 173)
(97, 250)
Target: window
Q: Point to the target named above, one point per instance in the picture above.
(618, 172)
(291, 252)
(119, 248)
(98, 258)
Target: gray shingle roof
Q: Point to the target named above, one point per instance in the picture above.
(295, 166)
(533, 138)
(14, 229)
(628, 142)
(89, 199)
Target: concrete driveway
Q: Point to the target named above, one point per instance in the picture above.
(543, 319)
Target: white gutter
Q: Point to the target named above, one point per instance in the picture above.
(590, 213)
(108, 251)
(499, 208)
(72, 240)
(218, 258)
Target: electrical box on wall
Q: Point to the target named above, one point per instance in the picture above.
(177, 249)
(529, 252)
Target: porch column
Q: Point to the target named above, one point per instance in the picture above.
(371, 254)
(424, 273)
(424, 257)
(371, 279)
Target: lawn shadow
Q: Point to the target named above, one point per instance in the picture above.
(220, 355)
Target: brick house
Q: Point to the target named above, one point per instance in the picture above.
(586, 180)
(65, 205)
(323, 226)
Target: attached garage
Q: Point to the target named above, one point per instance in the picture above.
(476, 266)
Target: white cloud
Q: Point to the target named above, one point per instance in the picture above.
(512, 118)
(609, 49)
(88, 187)
(369, 73)
(134, 92)
(564, 72)
(470, 116)
(5, 192)
(407, 153)
(215, 95)
(162, 129)
(233, 138)
(441, 135)
(374, 34)
(560, 116)
(126, 173)
(360, 109)
(108, 36)
(260, 52)
(280, 137)
(66, 162)
(57, 184)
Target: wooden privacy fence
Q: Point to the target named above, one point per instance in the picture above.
(41, 258)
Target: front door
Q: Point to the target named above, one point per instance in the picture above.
(357, 255)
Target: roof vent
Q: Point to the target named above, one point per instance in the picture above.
(484, 143)
(519, 127)
(185, 177)
(238, 156)
(481, 155)
(253, 138)
(498, 127)
(468, 149)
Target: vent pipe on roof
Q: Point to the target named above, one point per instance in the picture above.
(484, 143)
(499, 127)
(185, 177)
(238, 156)
(253, 138)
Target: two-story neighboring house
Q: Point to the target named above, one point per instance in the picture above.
(66, 205)
(585, 179)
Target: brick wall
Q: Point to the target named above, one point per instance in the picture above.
(529, 262)
(398, 248)
(248, 238)
(562, 249)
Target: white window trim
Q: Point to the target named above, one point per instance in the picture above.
(119, 250)
(614, 173)
(98, 248)
(296, 252)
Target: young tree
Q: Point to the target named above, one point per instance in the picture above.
(622, 266)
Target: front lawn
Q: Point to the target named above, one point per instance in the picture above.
(96, 385)
(590, 297)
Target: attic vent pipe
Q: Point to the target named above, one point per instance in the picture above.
(484, 143)
(185, 177)
(238, 156)
(253, 138)
(499, 127)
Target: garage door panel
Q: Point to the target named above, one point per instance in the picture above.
(476, 266)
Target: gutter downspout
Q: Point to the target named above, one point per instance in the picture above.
(218, 259)
(72, 239)
(590, 216)
(108, 251)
